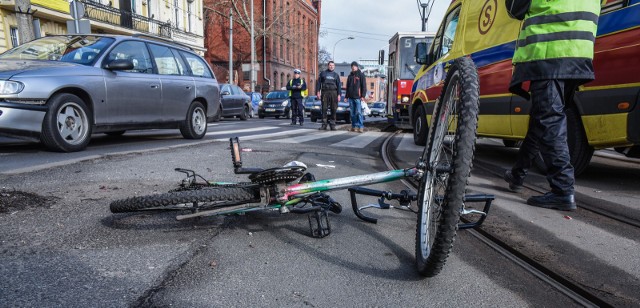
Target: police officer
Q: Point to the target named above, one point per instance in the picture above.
(329, 85)
(554, 51)
(297, 92)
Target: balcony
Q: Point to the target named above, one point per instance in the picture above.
(126, 19)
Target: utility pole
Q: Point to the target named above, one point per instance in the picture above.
(253, 53)
(230, 46)
(424, 16)
(25, 21)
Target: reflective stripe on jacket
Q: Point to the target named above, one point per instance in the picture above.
(556, 42)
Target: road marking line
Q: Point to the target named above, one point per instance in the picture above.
(360, 141)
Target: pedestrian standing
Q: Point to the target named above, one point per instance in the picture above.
(554, 51)
(330, 86)
(356, 91)
(297, 92)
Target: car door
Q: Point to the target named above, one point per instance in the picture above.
(133, 96)
(206, 84)
(178, 88)
(228, 100)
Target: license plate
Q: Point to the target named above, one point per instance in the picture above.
(270, 109)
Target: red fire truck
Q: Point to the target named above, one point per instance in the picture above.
(402, 70)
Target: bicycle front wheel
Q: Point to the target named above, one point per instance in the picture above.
(449, 157)
(207, 198)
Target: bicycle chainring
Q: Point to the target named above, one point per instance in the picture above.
(274, 175)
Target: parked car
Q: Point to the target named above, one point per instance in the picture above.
(275, 104)
(235, 103)
(343, 114)
(61, 89)
(308, 104)
(378, 109)
(256, 99)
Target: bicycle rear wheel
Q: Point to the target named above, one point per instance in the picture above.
(211, 197)
(449, 157)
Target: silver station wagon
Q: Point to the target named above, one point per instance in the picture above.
(61, 89)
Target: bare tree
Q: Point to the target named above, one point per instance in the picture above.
(323, 58)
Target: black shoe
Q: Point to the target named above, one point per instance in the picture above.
(323, 127)
(553, 201)
(514, 185)
(333, 127)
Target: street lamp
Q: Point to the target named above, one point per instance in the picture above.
(334, 45)
(424, 17)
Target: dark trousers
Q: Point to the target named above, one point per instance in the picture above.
(547, 134)
(329, 100)
(297, 110)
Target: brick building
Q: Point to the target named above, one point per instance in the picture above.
(287, 38)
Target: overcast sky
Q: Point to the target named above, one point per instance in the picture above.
(372, 23)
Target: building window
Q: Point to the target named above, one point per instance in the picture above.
(372, 85)
(189, 16)
(176, 9)
(342, 74)
(14, 36)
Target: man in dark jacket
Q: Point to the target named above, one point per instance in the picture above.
(356, 90)
(329, 86)
(297, 92)
(554, 51)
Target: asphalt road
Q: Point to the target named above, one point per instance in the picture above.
(73, 252)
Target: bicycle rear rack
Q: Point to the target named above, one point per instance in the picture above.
(405, 198)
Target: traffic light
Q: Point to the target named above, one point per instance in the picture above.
(381, 57)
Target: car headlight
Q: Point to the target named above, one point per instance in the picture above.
(10, 87)
(260, 104)
(340, 108)
(316, 107)
(405, 99)
(284, 104)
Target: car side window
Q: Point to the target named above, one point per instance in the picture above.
(446, 35)
(198, 67)
(164, 60)
(136, 52)
(182, 67)
(225, 88)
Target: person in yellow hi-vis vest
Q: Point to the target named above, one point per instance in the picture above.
(554, 51)
(297, 92)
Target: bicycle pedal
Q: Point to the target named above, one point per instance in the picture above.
(319, 224)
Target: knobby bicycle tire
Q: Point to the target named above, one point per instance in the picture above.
(221, 196)
(431, 255)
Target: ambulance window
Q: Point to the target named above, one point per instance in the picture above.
(611, 5)
(446, 34)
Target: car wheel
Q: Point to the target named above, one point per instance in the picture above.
(261, 116)
(66, 126)
(277, 117)
(420, 127)
(218, 116)
(195, 125)
(117, 133)
(314, 119)
(347, 119)
(245, 113)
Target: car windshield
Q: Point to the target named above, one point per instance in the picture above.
(310, 99)
(72, 48)
(278, 95)
(378, 105)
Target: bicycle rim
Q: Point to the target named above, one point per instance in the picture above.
(439, 159)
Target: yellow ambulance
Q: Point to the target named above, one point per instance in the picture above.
(605, 112)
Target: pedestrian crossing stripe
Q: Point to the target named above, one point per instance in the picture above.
(310, 137)
(360, 141)
(406, 144)
(246, 130)
(269, 135)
